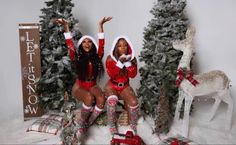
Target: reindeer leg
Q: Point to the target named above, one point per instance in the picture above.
(229, 101)
(188, 102)
(179, 104)
(214, 108)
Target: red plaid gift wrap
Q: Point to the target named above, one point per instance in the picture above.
(178, 140)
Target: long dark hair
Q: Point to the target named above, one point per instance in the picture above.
(82, 63)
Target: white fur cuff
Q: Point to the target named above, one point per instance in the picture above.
(101, 35)
(86, 107)
(127, 64)
(67, 35)
(98, 109)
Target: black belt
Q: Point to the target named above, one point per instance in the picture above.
(120, 84)
(88, 80)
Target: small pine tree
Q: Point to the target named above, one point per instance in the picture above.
(159, 57)
(57, 72)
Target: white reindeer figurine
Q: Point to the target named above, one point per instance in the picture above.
(213, 82)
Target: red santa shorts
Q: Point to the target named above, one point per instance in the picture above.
(86, 84)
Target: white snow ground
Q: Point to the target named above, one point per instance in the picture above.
(201, 131)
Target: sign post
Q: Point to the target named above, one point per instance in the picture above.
(30, 68)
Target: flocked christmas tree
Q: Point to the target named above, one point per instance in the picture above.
(57, 71)
(161, 61)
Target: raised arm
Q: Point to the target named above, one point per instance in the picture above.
(64, 23)
(101, 22)
(101, 40)
(68, 37)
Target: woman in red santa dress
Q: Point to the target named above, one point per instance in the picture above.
(87, 58)
(121, 65)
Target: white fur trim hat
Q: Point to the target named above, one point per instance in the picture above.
(130, 47)
(85, 37)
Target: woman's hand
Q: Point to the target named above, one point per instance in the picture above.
(64, 23)
(103, 21)
(124, 58)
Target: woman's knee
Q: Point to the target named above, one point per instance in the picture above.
(133, 101)
(100, 100)
(88, 99)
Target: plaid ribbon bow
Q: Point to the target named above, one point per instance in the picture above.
(181, 75)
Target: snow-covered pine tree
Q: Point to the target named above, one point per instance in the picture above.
(160, 59)
(57, 70)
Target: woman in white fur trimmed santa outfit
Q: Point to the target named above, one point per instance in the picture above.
(121, 65)
(87, 58)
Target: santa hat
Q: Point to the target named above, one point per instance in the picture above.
(130, 47)
(87, 37)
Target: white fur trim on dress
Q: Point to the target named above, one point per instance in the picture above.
(114, 44)
(89, 37)
(119, 64)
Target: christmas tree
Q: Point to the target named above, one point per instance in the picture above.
(161, 60)
(57, 70)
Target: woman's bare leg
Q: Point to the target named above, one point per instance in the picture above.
(130, 98)
(100, 101)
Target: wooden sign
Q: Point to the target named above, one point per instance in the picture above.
(31, 68)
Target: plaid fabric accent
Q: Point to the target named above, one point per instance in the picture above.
(47, 124)
(179, 140)
(181, 75)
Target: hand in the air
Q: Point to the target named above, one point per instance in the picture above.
(64, 23)
(104, 20)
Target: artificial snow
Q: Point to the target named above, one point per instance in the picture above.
(200, 131)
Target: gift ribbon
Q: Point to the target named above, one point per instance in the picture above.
(181, 75)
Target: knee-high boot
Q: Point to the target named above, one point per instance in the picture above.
(81, 125)
(96, 112)
(111, 113)
(134, 114)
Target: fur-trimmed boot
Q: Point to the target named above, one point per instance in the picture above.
(111, 113)
(96, 112)
(134, 114)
